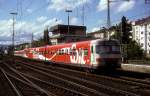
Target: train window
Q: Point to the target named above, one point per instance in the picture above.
(59, 52)
(70, 51)
(66, 51)
(85, 52)
(62, 52)
(80, 52)
(74, 52)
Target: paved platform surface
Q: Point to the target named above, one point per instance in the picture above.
(136, 67)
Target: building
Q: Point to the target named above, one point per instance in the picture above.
(101, 34)
(141, 33)
(97, 34)
(60, 34)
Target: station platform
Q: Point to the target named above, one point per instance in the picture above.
(143, 68)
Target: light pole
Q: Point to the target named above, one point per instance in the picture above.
(68, 11)
(13, 34)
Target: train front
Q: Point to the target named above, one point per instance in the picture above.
(108, 53)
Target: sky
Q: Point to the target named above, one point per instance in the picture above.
(33, 16)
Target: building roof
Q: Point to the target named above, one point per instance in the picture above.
(65, 27)
(97, 32)
(143, 21)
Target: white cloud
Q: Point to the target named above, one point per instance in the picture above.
(66, 4)
(52, 22)
(5, 27)
(95, 29)
(29, 10)
(41, 19)
(102, 5)
(23, 30)
(74, 21)
(125, 6)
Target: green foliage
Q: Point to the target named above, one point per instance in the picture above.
(122, 31)
(133, 51)
(125, 30)
(130, 49)
(117, 34)
(46, 36)
(38, 43)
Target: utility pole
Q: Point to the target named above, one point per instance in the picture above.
(13, 35)
(68, 11)
(108, 17)
(83, 10)
(32, 39)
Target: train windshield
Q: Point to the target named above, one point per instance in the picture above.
(108, 47)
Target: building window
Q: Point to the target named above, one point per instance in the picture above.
(141, 44)
(142, 32)
(137, 32)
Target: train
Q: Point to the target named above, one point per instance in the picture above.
(91, 54)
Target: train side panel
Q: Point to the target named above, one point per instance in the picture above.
(91, 54)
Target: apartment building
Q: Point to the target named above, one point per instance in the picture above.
(141, 33)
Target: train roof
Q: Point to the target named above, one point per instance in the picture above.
(92, 41)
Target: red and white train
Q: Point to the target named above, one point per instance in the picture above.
(91, 54)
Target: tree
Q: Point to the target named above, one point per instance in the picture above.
(125, 31)
(46, 36)
(130, 49)
(117, 34)
(39, 43)
(134, 51)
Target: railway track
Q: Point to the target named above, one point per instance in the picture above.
(107, 85)
(67, 82)
(15, 86)
(55, 90)
(7, 88)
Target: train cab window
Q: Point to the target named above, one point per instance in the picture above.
(85, 52)
(115, 48)
(102, 49)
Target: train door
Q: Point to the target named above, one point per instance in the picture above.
(93, 55)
